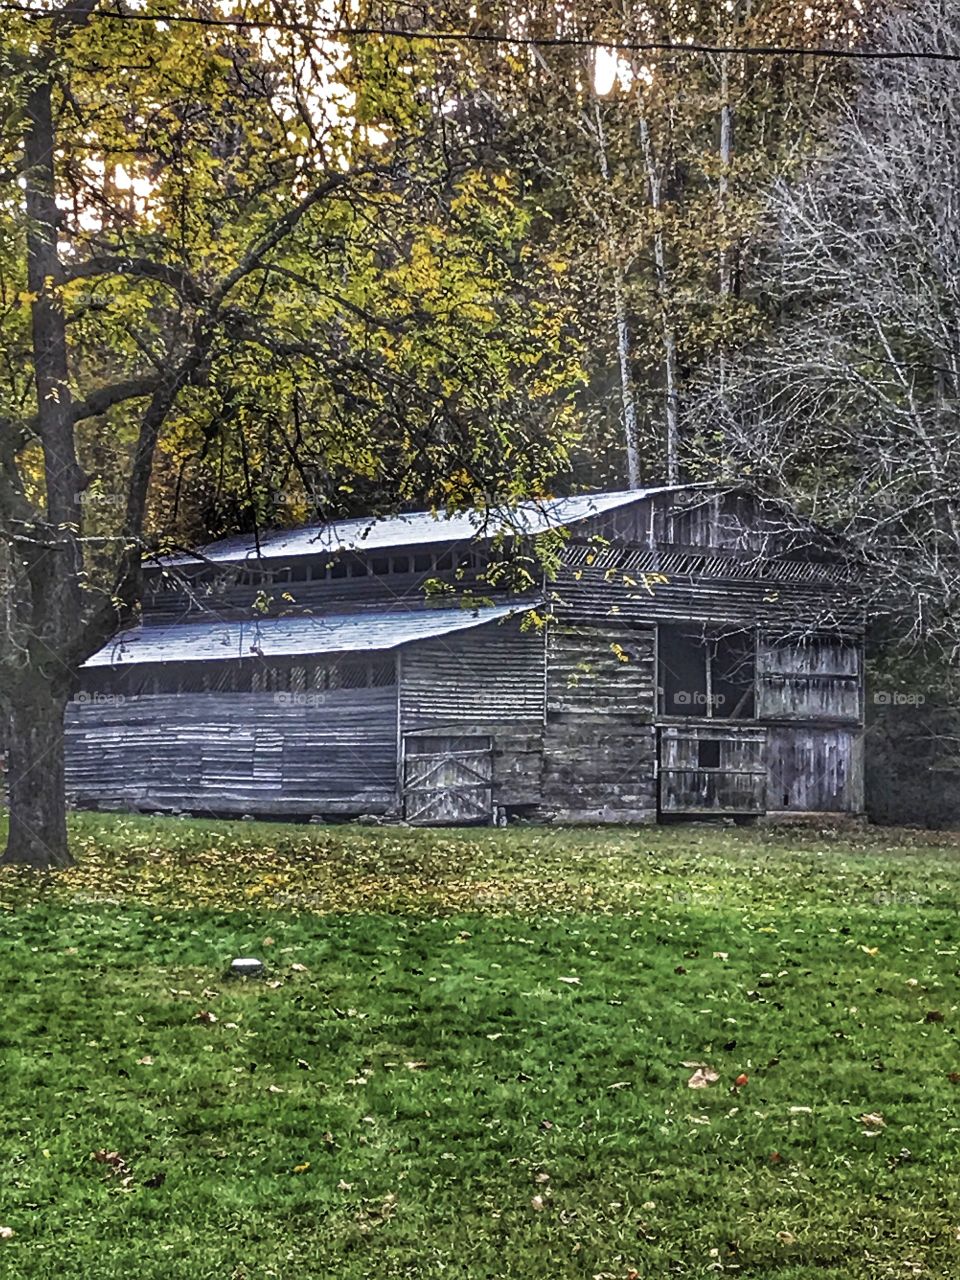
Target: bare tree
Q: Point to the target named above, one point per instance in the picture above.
(853, 409)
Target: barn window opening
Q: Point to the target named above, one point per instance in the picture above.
(708, 753)
(422, 563)
(401, 564)
(706, 673)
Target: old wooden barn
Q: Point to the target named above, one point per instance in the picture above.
(691, 651)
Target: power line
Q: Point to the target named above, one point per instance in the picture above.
(494, 38)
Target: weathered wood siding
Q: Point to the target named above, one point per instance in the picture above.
(280, 753)
(706, 769)
(447, 779)
(239, 600)
(600, 744)
(593, 591)
(488, 681)
(814, 770)
(819, 679)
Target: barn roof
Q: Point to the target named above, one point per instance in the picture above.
(371, 533)
(289, 636)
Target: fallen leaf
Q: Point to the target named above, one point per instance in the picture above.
(416, 1066)
(721, 955)
(574, 982)
(741, 1080)
(344, 1186)
(145, 1061)
(204, 1015)
(933, 1015)
(7, 1233)
(873, 1120)
(301, 1168)
(786, 1237)
(537, 1204)
(299, 968)
(268, 942)
(112, 1159)
(702, 1077)
(274, 1088)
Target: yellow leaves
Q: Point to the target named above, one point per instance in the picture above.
(301, 1168)
(651, 580)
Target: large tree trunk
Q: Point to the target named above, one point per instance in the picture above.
(35, 783)
(48, 604)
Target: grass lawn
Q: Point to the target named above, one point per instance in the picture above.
(471, 1055)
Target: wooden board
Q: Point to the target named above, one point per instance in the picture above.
(816, 680)
(815, 770)
(712, 770)
(276, 754)
(447, 781)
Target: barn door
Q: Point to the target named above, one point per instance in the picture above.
(447, 780)
(713, 770)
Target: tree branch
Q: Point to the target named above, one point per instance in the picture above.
(104, 398)
(176, 278)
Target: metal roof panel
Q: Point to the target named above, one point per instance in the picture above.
(370, 533)
(289, 636)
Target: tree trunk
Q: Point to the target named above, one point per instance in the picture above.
(48, 605)
(35, 782)
(670, 379)
(627, 398)
(723, 190)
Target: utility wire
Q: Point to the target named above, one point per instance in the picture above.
(493, 38)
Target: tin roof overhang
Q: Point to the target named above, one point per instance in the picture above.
(292, 636)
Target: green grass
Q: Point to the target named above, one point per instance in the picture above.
(415, 1071)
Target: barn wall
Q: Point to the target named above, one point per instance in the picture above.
(814, 770)
(341, 595)
(624, 592)
(487, 681)
(600, 744)
(817, 680)
(279, 753)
